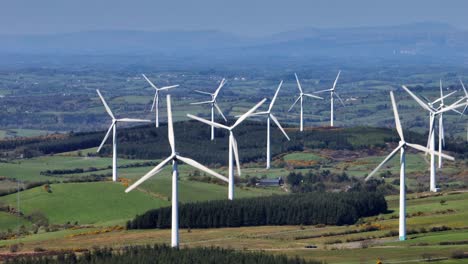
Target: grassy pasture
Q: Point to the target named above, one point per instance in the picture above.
(287, 239)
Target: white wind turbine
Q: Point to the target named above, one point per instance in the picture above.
(466, 97)
(175, 158)
(213, 104)
(332, 94)
(301, 98)
(156, 97)
(441, 120)
(466, 106)
(272, 117)
(431, 142)
(402, 146)
(113, 127)
(232, 143)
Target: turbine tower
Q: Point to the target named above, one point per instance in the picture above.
(402, 146)
(332, 94)
(113, 127)
(431, 142)
(301, 98)
(213, 104)
(175, 158)
(270, 115)
(232, 143)
(156, 97)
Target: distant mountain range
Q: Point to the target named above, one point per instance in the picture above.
(427, 39)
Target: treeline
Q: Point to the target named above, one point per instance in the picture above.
(294, 209)
(52, 144)
(147, 142)
(94, 169)
(159, 254)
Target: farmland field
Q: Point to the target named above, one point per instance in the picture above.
(291, 240)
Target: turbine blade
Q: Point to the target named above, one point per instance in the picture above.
(201, 167)
(105, 104)
(150, 82)
(441, 130)
(295, 102)
(424, 149)
(426, 99)
(464, 88)
(236, 154)
(464, 110)
(397, 117)
(220, 112)
(298, 83)
(150, 174)
(419, 101)
(336, 80)
(133, 120)
(223, 82)
(313, 96)
(154, 101)
(202, 92)
(441, 92)
(443, 97)
(257, 114)
(204, 102)
(244, 116)
(431, 130)
(322, 91)
(208, 122)
(274, 97)
(105, 137)
(279, 125)
(339, 98)
(168, 87)
(395, 151)
(170, 125)
(452, 106)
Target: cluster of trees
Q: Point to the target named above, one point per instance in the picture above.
(317, 181)
(160, 254)
(294, 209)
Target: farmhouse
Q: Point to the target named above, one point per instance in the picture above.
(270, 182)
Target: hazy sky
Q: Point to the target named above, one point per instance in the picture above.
(245, 17)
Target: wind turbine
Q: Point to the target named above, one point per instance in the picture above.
(332, 94)
(441, 121)
(272, 117)
(113, 127)
(466, 106)
(301, 98)
(232, 143)
(431, 142)
(213, 104)
(175, 158)
(156, 97)
(402, 146)
(466, 97)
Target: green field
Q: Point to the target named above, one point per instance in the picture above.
(11, 221)
(291, 240)
(10, 133)
(87, 203)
